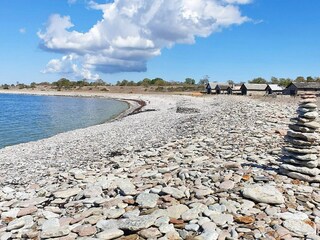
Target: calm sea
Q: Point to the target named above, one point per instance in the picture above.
(25, 118)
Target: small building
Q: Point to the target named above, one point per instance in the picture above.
(235, 89)
(274, 89)
(295, 88)
(210, 87)
(221, 88)
(253, 89)
(216, 88)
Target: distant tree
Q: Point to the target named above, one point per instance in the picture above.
(62, 83)
(160, 82)
(99, 82)
(274, 80)
(131, 83)
(5, 86)
(145, 82)
(300, 79)
(33, 85)
(310, 79)
(284, 82)
(258, 80)
(190, 81)
(230, 82)
(204, 80)
(124, 82)
(44, 84)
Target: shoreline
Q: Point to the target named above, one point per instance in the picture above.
(134, 105)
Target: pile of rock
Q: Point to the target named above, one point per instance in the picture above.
(302, 156)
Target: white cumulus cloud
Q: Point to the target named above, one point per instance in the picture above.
(22, 30)
(133, 31)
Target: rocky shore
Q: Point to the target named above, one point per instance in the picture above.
(192, 168)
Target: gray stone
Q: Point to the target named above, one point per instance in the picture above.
(304, 170)
(147, 200)
(50, 223)
(131, 214)
(300, 176)
(294, 216)
(190, 214)
(15, 224)
(309, 164)
(92, 191)
(12, 213)
(108, 224)
(110, 234)
(67, 193)
(313, 124)
(298, 142)
(161, 220)
(263, 194)
(138, 223)
(226, 185)
(221, 219)
(306, 157)
(308, 105)
(298, 227)
(301, 128)
(55, 232)
(114, 213)
(192, 227)
(126, 186)
(301, 150)
(166, 227)
(174, 192)
(6, 236)
(309, 115)
(176, 211)
(150, 233)
(311, 137)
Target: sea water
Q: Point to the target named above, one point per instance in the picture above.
(25, 118)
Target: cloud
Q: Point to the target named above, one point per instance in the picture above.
(70, 65)
(72, 2)
(131, 32)
(22, 30)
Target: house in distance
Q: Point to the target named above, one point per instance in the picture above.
(253, 89)
(296, 88)
(274, 89)
(216, 88)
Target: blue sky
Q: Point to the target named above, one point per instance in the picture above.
(44, 40)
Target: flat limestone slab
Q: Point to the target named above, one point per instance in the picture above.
(300, 176)
(298, 142)
(304, 170)
(67, 193)
(301, 128)
(263, 194)
(305, 157)
(309, 164)
(301, 151)
(310, 137)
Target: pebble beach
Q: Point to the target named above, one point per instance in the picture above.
(184, 167)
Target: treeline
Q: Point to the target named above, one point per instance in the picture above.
(62, 83)
(65, 83)
(146, 82)
(284, 81)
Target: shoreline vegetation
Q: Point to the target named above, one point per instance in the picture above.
(185, 167)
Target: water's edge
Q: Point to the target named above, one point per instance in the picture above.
(132, 106)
